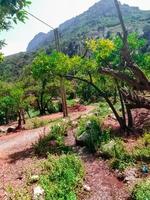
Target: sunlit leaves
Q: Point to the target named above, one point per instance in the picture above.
(102, 48)
(136, 43)
(40, 66)
(1, 57)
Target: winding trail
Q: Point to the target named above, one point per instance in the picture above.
(103, 183)
(22, 140)
(16, 158)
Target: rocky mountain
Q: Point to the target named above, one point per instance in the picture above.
(98, 21)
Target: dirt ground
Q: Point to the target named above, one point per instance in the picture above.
(16, 157)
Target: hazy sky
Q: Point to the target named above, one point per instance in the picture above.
(54, 12)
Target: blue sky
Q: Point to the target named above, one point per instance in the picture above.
(54, 12)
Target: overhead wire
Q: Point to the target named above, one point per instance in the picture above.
(37, 18)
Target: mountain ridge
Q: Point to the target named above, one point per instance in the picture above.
(101, 14)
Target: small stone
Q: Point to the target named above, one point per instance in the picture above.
(130, 175)
(34, 179)
(145, 169)
(86, 188)
(2, 130)
(38, 193)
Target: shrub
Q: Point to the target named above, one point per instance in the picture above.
(142, 151)
(146, 139)
(142, 154)
(141, 191)
(53, 142)
(62, 177)
(115, 150)
(89, 130)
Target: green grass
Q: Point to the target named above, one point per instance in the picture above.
(62, 177)
(71, 102)
(141, 191)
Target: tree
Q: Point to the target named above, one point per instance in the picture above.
(13, 102)
(42, 75)
(50, 68)
(12, 10)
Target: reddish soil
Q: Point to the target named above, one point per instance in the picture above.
(16, 157)
(16, 154)
(21, 140)
(103, 183)
(141, 121)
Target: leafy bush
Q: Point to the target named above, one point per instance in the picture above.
(146, 139)
(89, 129)
(53, 142)
(142, 154)
(142, 151)
(62, 177)
(141, 191)
(115, 150)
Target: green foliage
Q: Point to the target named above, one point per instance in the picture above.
(53, 142)
(142, 154)
(89, 128)
(103, 110)
(146, 139)
(61, 177)
(12, 67)
(40, 66)
(102, 48)
(142, 151)
(115, 150)
(12, 100)
(1, 57)
(12, 11)
(141, 191)
(71, 102)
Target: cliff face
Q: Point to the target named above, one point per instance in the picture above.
(98, 20)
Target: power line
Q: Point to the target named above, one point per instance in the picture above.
(40, 20)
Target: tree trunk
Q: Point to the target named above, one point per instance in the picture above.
(63, 98)
(19, 120)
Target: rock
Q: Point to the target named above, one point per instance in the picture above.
(34, 179)
(38, 193)
(2, 130)
(86, 188)
(11, 129)
(130, 175)
(145, 169)
(81, 140)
